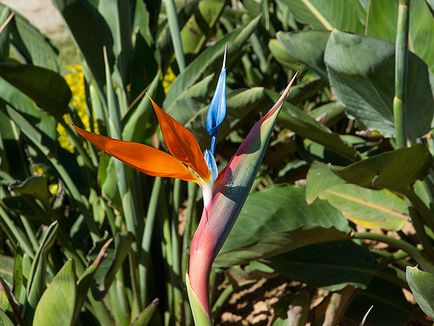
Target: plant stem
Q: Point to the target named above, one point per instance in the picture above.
(405, 246)
(145, 267)
(401, 63)
(172, 18)
(177, 294)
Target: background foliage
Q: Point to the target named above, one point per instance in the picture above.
(337, 206)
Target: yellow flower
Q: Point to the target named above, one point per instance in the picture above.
(75, 80)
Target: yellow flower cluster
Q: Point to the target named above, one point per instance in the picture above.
(168, 79)
(75, 80)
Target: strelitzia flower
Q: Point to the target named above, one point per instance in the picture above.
(224, 193)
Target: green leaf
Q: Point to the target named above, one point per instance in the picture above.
(4, 319)
(320, 178)
(333, 265)
(382, 22)
(369, 208)
(390, 306)
(362, 71)
(393, 170)
(144, 318)
(36, 282)
(57, 304)
(345, 15)
(277, 220)
(117, 14)
(198, 27)
(108, 268)
(32, 44)
(5, 15)
(235, 40)
(6, 268)
(26, 206)
(307, 47)
(199, 314)
(48, 89)
(191, 100)
(87, 278)
(24, 104)
(422, 287)
(35, 186)
(91, 33)
(302, 124)
(280, 53)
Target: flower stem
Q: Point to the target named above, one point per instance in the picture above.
(401, 63)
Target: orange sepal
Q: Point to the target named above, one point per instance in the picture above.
(181, 142)
(143, 158)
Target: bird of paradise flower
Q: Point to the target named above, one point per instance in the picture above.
(224, 193)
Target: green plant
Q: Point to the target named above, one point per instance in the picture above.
(87, 240)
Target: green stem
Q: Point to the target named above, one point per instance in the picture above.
(401, 63)
(400, 244)
(145, 267)
(176, 281)
(222, 299)
(167, 252)
(125, 190)
(172, 18)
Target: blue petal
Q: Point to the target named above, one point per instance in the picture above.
(217, 108)
(212, 165)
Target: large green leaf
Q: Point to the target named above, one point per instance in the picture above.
(277, 220)
(345, 15)
(307, 47)
(382, 22)
(320, 178)
(234, 40)
(394, 170)
(362, 71)
(367, 207)
(48, 89)
(422, 286)
(302, 124)
(333, 265)
(91, 33)
(57, 304)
